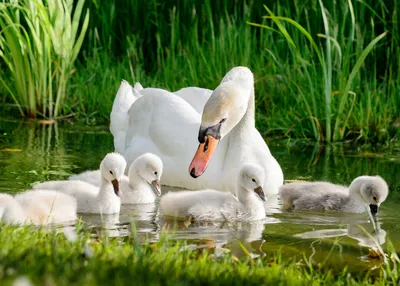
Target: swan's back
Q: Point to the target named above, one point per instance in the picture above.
(154, 101)
(332, 201)
(195, 96)
(83, 192)
(158, 115)
(91, 177)
(74, 188)
(46, 206)
(199, 204)
(5, 199)
(10, 210)
(293, 191)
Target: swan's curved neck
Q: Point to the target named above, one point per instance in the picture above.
(247, 121)
(356, 193)
(243, 195)
(135, 180)
(106, 190)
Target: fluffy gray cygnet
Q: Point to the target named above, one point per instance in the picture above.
(363, 191)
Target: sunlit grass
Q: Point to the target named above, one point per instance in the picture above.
(39, 42)
(335, 70)
(318, 72)
(323, 71)
(49, 257)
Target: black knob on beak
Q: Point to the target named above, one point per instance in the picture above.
(374, 209)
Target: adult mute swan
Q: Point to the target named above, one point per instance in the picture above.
(137, 188)
(37, 207)
(157, 121)
(363, 191)
(91, 199)
(212, 205)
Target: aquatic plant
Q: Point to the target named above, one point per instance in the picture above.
(39, 42)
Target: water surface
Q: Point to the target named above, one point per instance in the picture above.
(31, 152)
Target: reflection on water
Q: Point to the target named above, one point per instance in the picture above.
(364, 233)
(32, 153)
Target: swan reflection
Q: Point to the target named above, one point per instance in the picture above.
(364, 233)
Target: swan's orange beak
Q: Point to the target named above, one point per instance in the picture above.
(203, 156)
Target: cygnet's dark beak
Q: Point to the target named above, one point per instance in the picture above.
(115, 184)
(260, 192)
(374, 209)
(156, 187)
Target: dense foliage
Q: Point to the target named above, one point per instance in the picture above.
(324, 70)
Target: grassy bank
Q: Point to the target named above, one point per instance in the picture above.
(322, 72)
(49, 258)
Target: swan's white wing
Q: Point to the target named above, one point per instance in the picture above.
(91, 177)
(73, 188)
(125, 97)
(200, 204)
(42, 206)
(164, 124)
(137, 87)
(195, 96)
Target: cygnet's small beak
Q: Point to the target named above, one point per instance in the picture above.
(115, 184)
(203, 156)
(260, 192)
(374, 209)
(156, 187)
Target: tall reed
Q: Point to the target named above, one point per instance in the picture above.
(39, 42)
(330, 72)
(323, 71)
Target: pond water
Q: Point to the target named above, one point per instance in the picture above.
(30, 152)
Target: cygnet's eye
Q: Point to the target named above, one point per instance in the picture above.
(222, 120)
(254, 180)
(111, 172)
(155, 173)
(374, 199)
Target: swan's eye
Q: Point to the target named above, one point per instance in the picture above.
(374, 199)
(111, 172)
(155, 173)
(254, 180)
(223, 120)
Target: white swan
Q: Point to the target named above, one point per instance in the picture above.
(37, 207)
(167, 125)
(197, 97)
(137, 188)
(211, 205)
(363, 191)
(91, 199)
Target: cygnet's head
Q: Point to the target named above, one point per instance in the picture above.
(149, 167)
(112, 169)
(251, 178)
(224, 109)
(371, 190)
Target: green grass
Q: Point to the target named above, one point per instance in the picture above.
(306, 85)
(323, 71)
(47, 257)
(39, 43)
